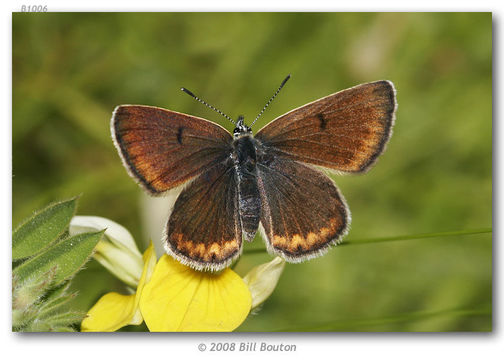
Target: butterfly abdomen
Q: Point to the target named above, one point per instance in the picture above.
(249, 201)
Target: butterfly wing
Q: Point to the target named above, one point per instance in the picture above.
(204, 229)
(302, 212)
(162, 149)
(345, 131)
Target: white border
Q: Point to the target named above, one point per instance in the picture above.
(321, 346)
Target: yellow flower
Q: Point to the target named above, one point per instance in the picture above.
(174, 297)
(178, 298)
(113, 310)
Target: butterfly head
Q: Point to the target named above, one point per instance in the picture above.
(241, 129)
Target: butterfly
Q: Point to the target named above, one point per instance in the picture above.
(234, 184)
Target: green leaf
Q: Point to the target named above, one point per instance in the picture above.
(58, 323)
(69, 256)
(57, 292)
(26, 293)
(48, 308)
(66, 318)
(42, 229)
(63, 329)
(48, 326)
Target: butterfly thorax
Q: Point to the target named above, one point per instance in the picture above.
(249, 203)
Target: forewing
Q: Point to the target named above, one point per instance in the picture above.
(162, 149)
(303, 212)
(345, 131)
(204, 230)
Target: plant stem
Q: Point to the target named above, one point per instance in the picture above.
(397, 238)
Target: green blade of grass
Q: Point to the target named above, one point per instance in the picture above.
(359, 324)
(417, 236)
(398, 238)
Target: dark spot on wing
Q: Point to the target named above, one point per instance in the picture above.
(323, 122)
(179, 135)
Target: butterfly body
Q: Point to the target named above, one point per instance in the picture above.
(239, 183)
(249, 202)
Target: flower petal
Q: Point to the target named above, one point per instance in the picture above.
(117, 234)
(178, 298)
(111, 312)
(117, 251)
(120, 263)
(149, 259)
(263, 279)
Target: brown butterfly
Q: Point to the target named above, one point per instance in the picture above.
(237, 183)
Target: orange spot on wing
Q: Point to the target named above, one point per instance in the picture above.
(211, 252)
(298, 244)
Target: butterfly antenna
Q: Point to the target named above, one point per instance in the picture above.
(207, 104)
(270, 100)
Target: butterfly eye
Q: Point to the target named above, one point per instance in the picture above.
(241, 128)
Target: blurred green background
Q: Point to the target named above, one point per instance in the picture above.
(71, 70)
